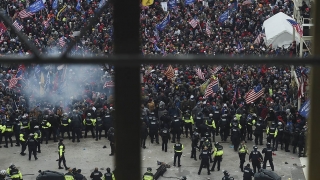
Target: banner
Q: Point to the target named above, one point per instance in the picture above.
(190, 2)
(172, 4)
(163, 23)
(305, 108)
(224, 17)
(164, 6)
(147, 2)
(36, 6)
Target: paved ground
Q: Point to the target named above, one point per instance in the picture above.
(89, 154)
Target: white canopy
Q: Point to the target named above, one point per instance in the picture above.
(278, 31)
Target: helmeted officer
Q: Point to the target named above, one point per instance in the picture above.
(302, 142)
(99, 128)
(61, 151)
(23, 141)
(272, 133)
(107, 175)
(216, 118)
(37, 137)
(176, 129)
(165, 135)
(198, 119)
(65, 125)
(1, 134)
(34, 122)
(7, 130)
(25, 124)
(89, 123)
(188, 122)
(96, 174)
(217, 153)
(204, 157)
(16, 130)
(107, 122)
(258, 132)
(256, 158)
(143, 134)
(165, 119)
(243, 151)
(194, 145)
(45, 125)
(211, 126)
(235, 135)
(154, 130)
(76, 126)
(243, 124)
(14, 173)
(268, 156)
(247, 173)
(32, 146)
(280, 135)
(148, 175)
(251, 120)
(111, 138)
(224, 127)
(295, 140)
(178, 147)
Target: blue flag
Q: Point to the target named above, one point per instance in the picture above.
(100, 5)
(55, 4)
(164, 23)
(78, 7)
(172, 4)
(156, 48)
(239, 45)
(234, 6)
(224, 17)
(304, 110)
(36, 6)
(190, 2)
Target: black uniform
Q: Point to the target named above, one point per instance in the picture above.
(255, 157)
(65, 126)
(76, 126)
(198, 120)
(107, 123)
(176, 129)
(279, 138)
(165, 134)
(204, 157)
(243, 130)
(272, 135)
(301, 142)
(99, 128)
(16, 130)
(54, 127)
(144, 134)
(111, 138)
(250, 123)
(107, 176)
(178, 147)
(286, 139)
(32, 147)
(247, 173)
(268, 156)
(258, 132)
(62, 158)
(96, 175)
(235, 136)
(194, 145)
(23, 141)
(153, 131)
(295, 140)
(216, 117)
(224, 127)
(8, 133)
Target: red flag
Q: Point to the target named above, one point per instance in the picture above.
(3, 28)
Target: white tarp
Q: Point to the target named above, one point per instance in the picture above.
(278, 31)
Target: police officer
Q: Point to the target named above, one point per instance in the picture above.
(178, 147)
(256, 158)
(165, 119)
(96, 174)
(188, 122)
(23, 141)
(69, 175)
(76, 126)
(204, 157)
(154, 130)
(99, 128)
(14, 173)
(227, 176)
(25, 123)
(194, 145)
(37, 137)
(1, 128)
(272, 133)
(295, 140)
(258, 132)
(107, 122)
(268, 156)
(144, 134)
(165, 135)
(61, 151)
(247, 173)
(279, 138)
(7, 130)
(302, 142)
(211, 126)
(243, 123)
(243, 151)
(198, 119)
(89, 123)
(251, 120)
(78, 175)
(54, 126)
(65, 125)
(32, 146)
(176, 129)
(224, 129)
(34, 122)
(148, 175)
(107, 175)
(45, 125)
(216, 118)
(16, 130)
(286, 139)
(111, 138)
(3, 174)
(235, 135)
(218, 152)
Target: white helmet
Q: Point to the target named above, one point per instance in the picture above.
(3, 172)
(89, 114)
(36, 127)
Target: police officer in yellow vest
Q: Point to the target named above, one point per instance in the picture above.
(272, 133)
(45, 125)
(212, 126)
(178, 147)
(218, 152)
(7, 130)
(25, 123)
(188, 120)
(1, 128)
(14, 173)
(22, 138)
(69, 175)
(148, 175)
(242, 154)
(251, 120)
(37, 137)
(65, 122)
(89, 123)
(61, 149)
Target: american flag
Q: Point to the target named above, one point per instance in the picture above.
(194, 23)
(108, 84)
(62, 42)
(25, 13)
(13, 82)
(215, 70)
(169, 73)
(258, 39)
(200, 74)
(17, 25)
(254, 94)
(208, 29)
(302, 81)
(212, 88)
(296, 26)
